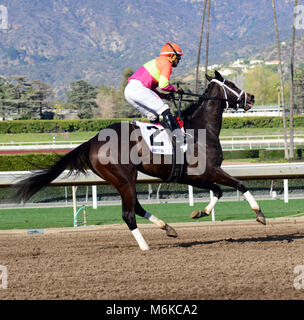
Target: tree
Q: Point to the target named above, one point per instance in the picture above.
(5, 93)
(82, 96)
(260, 81)
(299, 89)
(281, 79)
(36, 96)
(17, 95)
(126, 74)
(124, 108)
(107, 108)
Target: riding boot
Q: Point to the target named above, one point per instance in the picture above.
(170, 123)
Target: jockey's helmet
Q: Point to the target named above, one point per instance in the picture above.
(171, 48)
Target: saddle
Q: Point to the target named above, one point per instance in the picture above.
(161, 143)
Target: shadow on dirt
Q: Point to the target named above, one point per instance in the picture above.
(272, 238)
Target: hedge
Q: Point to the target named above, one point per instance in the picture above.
(34, 161)
(27, 161)
(50, 126)
(278, 154)
(240, 154)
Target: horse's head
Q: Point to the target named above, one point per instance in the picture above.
(236, 98)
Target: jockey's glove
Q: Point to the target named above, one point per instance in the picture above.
(180, 91)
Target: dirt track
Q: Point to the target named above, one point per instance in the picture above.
(221, 261)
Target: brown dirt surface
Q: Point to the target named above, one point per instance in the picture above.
(236, 260)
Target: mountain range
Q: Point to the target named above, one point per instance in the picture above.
(60, 41)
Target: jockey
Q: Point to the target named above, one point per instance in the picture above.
(141, 90)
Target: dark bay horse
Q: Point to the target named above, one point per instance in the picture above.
(115, 165)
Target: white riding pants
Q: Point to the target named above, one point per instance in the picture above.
(144, 100)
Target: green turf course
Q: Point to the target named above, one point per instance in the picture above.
(170, 212)
(46, 137)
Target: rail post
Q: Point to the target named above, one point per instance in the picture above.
(74, 189)
(190, 190)
(286, 190)
(212, 212)
(94, 197)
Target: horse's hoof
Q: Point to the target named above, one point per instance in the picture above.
(144, 248)
(260, 217)
(170, 231)
(196, 214)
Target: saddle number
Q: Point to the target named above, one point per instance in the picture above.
(153, 135)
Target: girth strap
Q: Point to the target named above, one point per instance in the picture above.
(177, 169)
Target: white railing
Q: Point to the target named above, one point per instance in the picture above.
(258, 144)
(227, 142)
(242, 172)
(271, 171)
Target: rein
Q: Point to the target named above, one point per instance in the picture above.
(203, 97)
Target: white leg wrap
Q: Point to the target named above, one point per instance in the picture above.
(140, 239)
(211, 205)
(155, 220)
(253, 204)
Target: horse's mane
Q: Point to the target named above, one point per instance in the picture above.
(188, 112)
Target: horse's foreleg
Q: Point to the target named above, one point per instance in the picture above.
(160, 223)
(222, 177)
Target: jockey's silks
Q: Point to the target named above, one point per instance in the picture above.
(155, 73)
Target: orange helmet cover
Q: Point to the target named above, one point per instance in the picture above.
(171, 48)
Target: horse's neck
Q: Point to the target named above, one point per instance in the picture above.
(213, 117)
(209, 116)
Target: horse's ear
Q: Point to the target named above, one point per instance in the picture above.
(208, 77)
(218, 76)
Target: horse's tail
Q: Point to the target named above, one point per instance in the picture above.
(76, 160)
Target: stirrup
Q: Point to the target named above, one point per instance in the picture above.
(156, 121)
(179, 138)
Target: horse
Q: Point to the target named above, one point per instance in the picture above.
(115, 166)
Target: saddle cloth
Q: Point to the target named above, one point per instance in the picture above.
(157, 138)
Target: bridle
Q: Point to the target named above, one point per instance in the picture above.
(240, 103)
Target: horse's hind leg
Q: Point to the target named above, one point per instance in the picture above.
(128, 195)
(222, 177)
(160, 223)
(217, 195)
(123, 178)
